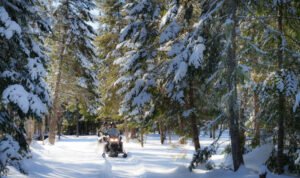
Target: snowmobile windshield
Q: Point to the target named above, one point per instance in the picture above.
(113, 132)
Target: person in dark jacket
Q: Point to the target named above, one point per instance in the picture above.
(105, 129)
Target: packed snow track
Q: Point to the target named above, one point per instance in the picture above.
(81, 157)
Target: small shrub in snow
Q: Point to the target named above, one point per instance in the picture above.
(255, 142)
(202, 156)
(227, 150)
(183, 140)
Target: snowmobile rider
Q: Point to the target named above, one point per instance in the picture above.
(113, 131)
(105, 129)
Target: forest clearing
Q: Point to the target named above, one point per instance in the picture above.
(150, 88)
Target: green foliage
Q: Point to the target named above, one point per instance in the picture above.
(289, 161)
(255, 142)
(202, 156)
(227, 150)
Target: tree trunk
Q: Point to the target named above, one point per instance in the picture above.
(59, 128)
(39, 129)
(237, 156)
(162, 132)
(180, 124)
(43, 129)
(214, 131)
(256, 123)
(59, 122)
(169, 134)
(47, 123)
(77, 125)
(210, 132)
(195, 133)
(242, 119)
(53, 121)
(126, 130)
(132, 133)
(281, 100)
(142, 136)
(86, 127)
(29, 127)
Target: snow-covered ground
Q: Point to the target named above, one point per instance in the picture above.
(81, 157)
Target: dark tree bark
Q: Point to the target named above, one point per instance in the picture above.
(256, 123)
(142, 136)
(161, 132)
(132, 133)
(39, 129)
(243, 105)
(214, 131)
(180, 123)
(195, 132)
(86, 128)
(77, 125)
(232, 114)
(43, 128)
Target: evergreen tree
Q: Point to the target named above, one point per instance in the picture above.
(212, 11)
(183, 69)
(23, 89)
(138, 62)
(192, 67)
(280, 49)
(75, 55)
(112, 22)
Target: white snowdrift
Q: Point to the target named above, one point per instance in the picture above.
(257, 157)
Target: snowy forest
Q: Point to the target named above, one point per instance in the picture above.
(187, 82)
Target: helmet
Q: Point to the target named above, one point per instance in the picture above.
(112, 124)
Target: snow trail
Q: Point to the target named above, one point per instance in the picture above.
(78, 157)
(69, 157)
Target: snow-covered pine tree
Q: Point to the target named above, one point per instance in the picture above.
(136, 74)
(75, 55)
(224, 14)
(161, 110)
(168, 24)
(279, 87)
(23, 89)
(110, 15)
(238, 47)
(181, 73)
(189, 48)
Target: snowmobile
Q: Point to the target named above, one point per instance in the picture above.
(113, 147)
